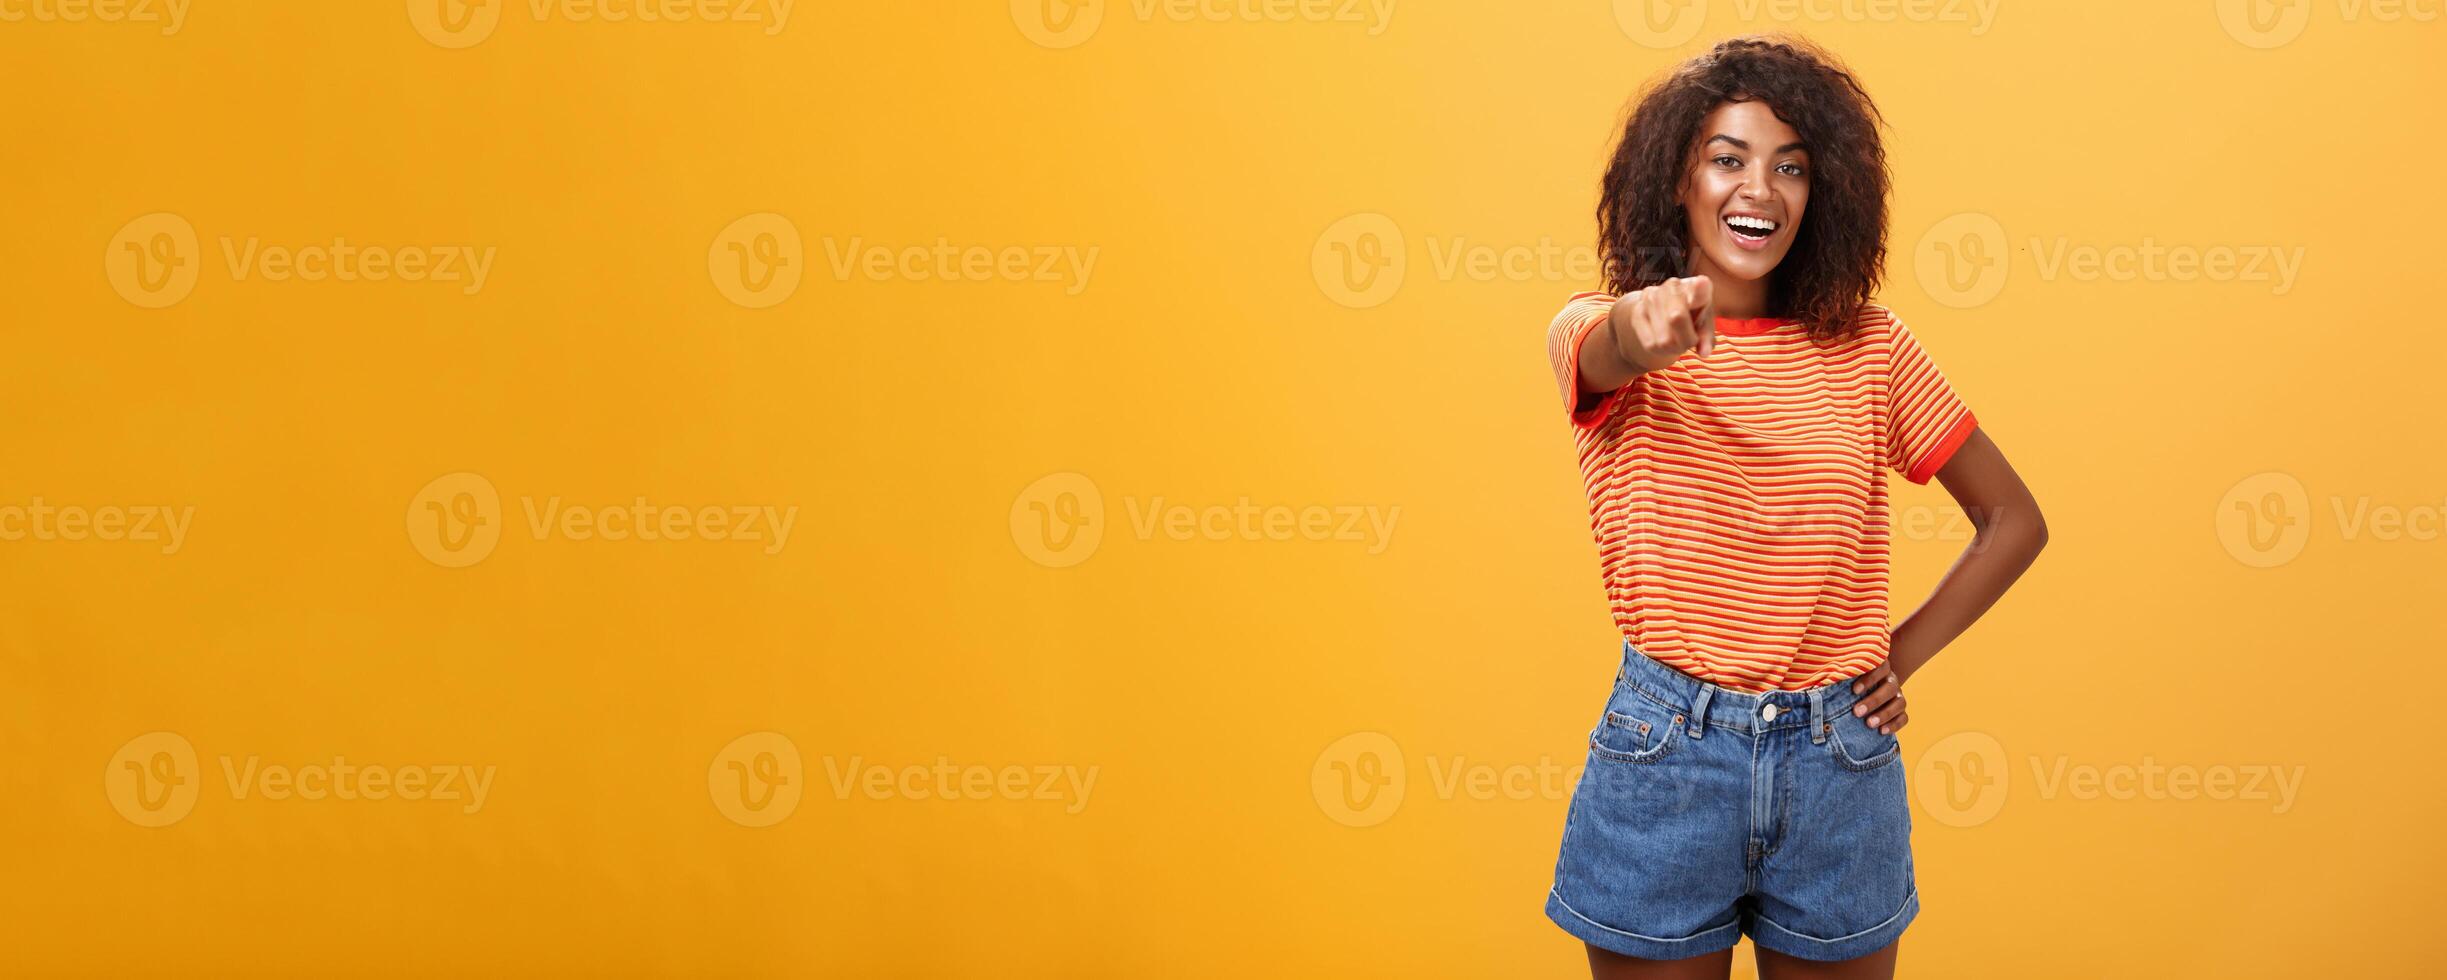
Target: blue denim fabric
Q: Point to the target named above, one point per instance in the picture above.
(1706, 813)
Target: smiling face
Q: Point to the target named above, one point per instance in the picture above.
(1744, 195)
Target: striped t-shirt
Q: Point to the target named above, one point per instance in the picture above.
(1738, 500)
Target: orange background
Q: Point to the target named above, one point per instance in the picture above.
(1214, 351)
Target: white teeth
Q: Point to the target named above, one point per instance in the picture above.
(1761, 225)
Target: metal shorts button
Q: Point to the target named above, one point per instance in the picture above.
(1767, 713)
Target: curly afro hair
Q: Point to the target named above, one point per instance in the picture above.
(1838, 255)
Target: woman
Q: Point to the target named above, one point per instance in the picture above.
(1734, 396)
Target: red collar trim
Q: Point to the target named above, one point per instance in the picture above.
(1732, 327)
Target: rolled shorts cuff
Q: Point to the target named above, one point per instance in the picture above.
(1616, 940)
(1768, 934)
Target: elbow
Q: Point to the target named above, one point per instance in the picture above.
(2024, 530)
(2033, 532)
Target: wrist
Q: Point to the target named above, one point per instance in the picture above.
(1623, 340)
(1904, 659)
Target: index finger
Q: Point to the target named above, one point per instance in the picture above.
(1702, 296)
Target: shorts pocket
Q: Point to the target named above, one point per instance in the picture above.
(1859, 747)
(1636, 730)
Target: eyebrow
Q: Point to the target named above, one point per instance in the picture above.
(1741, 145)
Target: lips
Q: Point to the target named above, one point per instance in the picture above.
(1749, 226)
(1750, 231)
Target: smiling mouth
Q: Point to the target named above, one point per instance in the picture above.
(1749, 228)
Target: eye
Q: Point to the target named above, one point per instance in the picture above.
(1727, 160)
(1790, 169)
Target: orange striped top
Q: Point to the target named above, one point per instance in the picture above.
(1738, 500)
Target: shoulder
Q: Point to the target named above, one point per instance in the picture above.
(1876, 322)
(1871, 336)
(1579, 313)
(1588, 299)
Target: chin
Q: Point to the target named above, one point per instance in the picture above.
(1747, 268)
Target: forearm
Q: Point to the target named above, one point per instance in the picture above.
(1603, 365)
(2007, 542)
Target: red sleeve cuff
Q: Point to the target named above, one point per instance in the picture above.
(1935, 459)
(1598, 411)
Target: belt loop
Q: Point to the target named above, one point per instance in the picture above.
(1699, 709)
(1818, 715)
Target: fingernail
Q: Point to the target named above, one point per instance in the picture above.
(1859, 710)
(1873, 721)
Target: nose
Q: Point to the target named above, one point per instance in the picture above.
(1755, 186)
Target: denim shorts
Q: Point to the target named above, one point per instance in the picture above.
(1706, 813)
